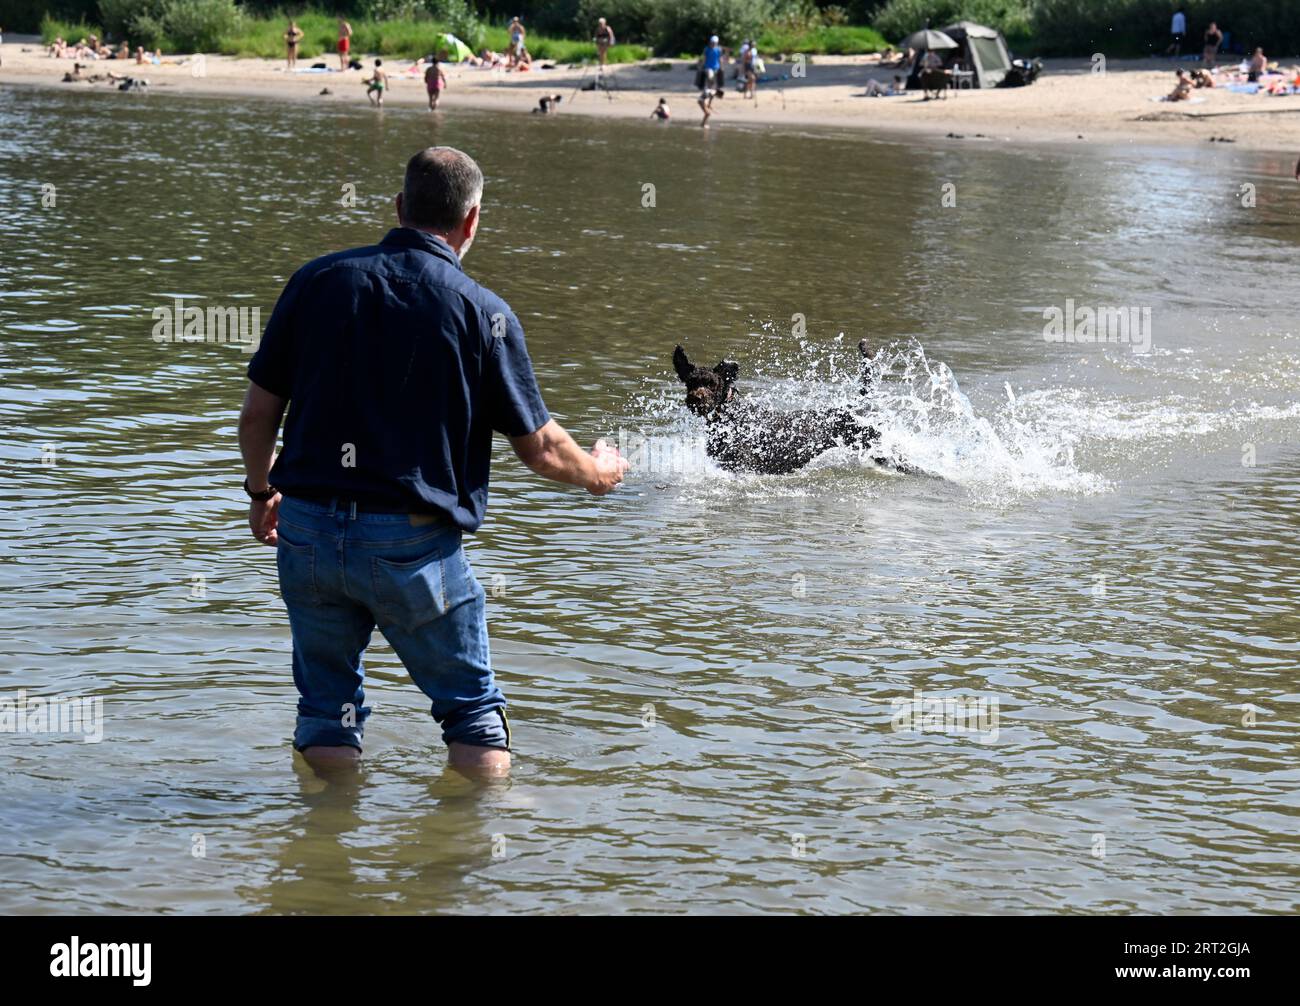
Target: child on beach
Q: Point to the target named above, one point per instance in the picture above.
(376, 84)
(434, 81)
(548, 105)
(1182, 89)
(661, 111)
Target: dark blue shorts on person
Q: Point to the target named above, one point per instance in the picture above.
(342, 573)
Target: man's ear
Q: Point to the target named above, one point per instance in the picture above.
(471, 222)
(728, 370)
(681, 364)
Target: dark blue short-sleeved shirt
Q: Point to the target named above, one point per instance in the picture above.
(397, 367)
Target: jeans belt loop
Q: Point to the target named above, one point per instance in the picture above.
(354, 510)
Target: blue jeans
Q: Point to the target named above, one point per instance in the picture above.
(341, 574)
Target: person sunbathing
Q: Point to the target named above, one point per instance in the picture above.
(875, 89)
(1183, 89)
(1202, 78)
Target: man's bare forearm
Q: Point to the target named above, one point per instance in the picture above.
(257, 445)
(259, 427)
(553, 454)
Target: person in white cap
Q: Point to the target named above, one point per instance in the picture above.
(710, 79)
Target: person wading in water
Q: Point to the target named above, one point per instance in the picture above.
(398, 368)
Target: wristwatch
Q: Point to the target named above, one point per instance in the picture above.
(268, 493)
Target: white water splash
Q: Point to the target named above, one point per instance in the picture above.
(917, 405)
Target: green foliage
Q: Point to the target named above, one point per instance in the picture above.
(824, 40)
(28, 16)
(459, 18)
(197, 25)
(1136, 27)
(70, 31)
(685, 25)
(899, 18)
(120, 16)
(630, 19)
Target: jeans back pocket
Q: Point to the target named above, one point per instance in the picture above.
(296, 565)
(409, 594)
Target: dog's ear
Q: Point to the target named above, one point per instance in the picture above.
(728, 370)
(681, 364)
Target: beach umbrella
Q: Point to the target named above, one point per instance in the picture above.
(927, 39)
(457, 50)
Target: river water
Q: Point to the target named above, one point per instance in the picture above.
(711, 676)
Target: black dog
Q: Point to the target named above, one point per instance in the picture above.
(744, 437)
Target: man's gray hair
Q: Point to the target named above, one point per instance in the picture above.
(442, 185)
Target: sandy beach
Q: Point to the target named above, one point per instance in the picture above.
(1069, 101)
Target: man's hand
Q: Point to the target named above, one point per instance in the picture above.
(610, 469)
(553, 454)
(263, 518)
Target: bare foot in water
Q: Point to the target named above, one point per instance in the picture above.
(477, 762)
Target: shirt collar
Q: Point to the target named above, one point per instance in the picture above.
(409, 237)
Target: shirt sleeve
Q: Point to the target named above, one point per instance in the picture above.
(272, 365)
(511, 396)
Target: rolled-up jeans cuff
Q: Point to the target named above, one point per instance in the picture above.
(311, 731)
(488, 729)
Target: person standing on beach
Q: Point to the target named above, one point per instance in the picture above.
(1177, 32)
(518, 35)
(398, 368)
(1213, 39)
(710, 78)
(345, 43)
(434, 81)
(291, 39)
(604, 38)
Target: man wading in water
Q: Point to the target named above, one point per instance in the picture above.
(398, 367)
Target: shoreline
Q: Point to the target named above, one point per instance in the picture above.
(1068, 103)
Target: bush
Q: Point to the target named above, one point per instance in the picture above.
(899, 18)
(685, 25)
(459, 18)
(120, 16)
(197, 25)
(825, 40)
(69, 31)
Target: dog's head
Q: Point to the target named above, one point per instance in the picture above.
(707, 391)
